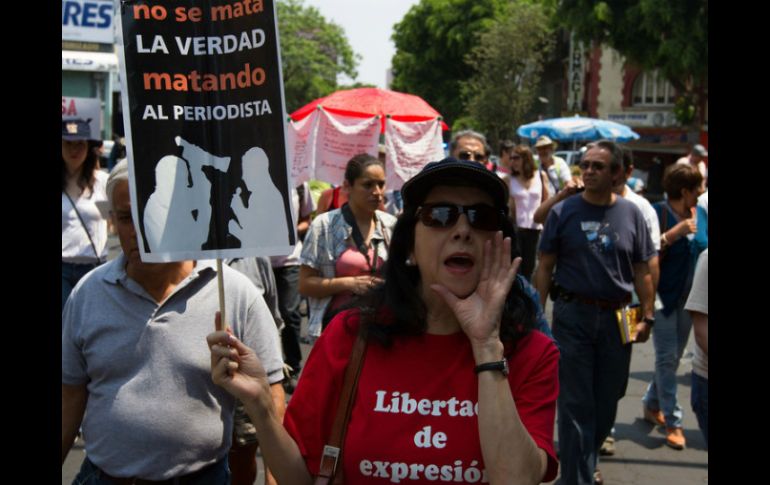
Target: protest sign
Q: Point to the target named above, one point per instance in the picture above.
(205, 133)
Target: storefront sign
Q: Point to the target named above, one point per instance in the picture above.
(644, 118)
(576, 68)
(88, 21)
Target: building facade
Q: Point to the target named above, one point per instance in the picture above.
(89, 62)
(619, 91)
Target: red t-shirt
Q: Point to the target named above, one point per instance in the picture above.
(414, 415)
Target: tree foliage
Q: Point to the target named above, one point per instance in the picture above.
(508, 62)
(432, 42)
(671, 36)
(313, 52)
(357, 85)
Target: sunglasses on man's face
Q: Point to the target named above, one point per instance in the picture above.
(475, 156)
(444, 215)
(596, 166)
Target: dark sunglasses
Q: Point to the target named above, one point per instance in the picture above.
(444, 215)
(598, 166)
(472, 156)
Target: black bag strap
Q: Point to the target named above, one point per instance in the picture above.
(557, 185)
(358, 238)
(93, 246)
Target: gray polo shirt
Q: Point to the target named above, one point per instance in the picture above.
(153, 410)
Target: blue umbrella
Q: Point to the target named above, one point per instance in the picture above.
(577, 128)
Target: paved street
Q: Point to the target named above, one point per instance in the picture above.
(641, 456)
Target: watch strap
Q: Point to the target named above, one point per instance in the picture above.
(500, 365)
(649, 321)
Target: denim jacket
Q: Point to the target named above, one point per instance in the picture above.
(328, 237)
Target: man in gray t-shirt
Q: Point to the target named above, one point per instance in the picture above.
(136, 369)
(600, 247)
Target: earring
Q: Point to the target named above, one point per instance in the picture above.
(410, 262)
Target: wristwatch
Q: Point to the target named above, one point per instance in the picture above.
(649, 321)
(501, 365)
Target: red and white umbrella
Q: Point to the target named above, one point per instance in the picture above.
(369, 102)
(325, 133)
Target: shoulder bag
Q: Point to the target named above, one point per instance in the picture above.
(557, 185)
(328, 472)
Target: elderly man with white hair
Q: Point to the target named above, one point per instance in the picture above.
(471, 145)
(135, 366)
(696, 158)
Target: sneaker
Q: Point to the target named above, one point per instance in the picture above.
(654, 417)
(598, 478)
(675, 438)
(608, 447)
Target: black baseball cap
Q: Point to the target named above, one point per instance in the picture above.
(75, 129)
(451, 171)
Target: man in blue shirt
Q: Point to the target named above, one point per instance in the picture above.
(599, 246)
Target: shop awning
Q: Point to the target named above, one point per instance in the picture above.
(681, 149)
(89, 61)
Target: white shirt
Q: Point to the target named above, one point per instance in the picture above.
(558, 171)
(698, 301)
(650, 216)
(703, 201)
(75, 245)
(527, 200)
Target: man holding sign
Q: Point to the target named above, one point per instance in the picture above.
(133, 362)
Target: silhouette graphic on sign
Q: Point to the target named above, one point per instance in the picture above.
(178, 213)
(263, 222)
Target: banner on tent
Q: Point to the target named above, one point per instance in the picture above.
(301, 136)
(340, 138)
(409, 146)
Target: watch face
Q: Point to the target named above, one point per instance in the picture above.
(505, 367)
